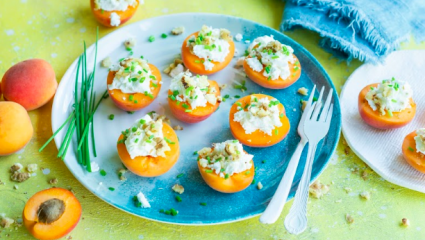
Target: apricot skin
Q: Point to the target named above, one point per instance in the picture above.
(15, 128)
(31, 83)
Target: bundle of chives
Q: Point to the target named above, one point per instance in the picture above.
(81, 118)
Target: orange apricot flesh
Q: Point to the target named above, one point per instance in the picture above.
(140, 100)
(414, 158)
(258, 138)
(15, 128)
(194, 63)
(147, 166)
(375, 119)
(198, 114)
(104, 17)
(51, 213)
(260, 79)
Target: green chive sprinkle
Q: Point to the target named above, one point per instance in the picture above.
(151, 38)
(203, 204)
(208, 170)
(130, 112)
(195, 153)
(226, 176)
(111, 117)
(164, 35)
(134, 129)
(237, 96)
(180, 175)
(276, 131)
(247, 172)
(281, 115)
(142, 121)
(393, 100)
(173, 212)
(390, 113)
(169, 141)
(130, 98)
(102, 172)
(411, 149)
(111, 189)
(178, 199)
(184, 105)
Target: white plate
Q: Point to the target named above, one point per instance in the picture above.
(381, 149)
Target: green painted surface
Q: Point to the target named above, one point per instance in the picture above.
(52, 29)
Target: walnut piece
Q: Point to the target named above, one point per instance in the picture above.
(365, 195)
(178, 128)
(121, 173)
(259, 185)
(129, 43)
(303, 91)
(349, 218)
(178, 188)
(107, 62)
(32, 167)
(53, 181)
(317, 189)
(16, 167)
(405, 222)
(175, 68)
(19, 177)
(6, 222)
(304, 104)
(178, 30)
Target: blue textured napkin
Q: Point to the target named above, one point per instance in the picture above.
(363, 29)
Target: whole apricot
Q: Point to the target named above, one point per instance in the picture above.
(31, 83)
(15, 128)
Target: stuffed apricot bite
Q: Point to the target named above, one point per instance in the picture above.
(113, 13)
(51, 213)
(414, 149)
(133, 84)
(271, 64)
(208, 51)
(226, 167)
(387, 105)
(193, 98)
(149, 148)
(258, 120)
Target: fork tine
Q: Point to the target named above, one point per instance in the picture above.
(318, 105)
(324, 113)
(329, 115)
(310, 99)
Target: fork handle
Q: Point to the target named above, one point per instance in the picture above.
(273, 210)
(296, 220)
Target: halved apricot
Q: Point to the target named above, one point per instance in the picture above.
(258, 138)
(279, 83)
(414, 158)
(51, 213)
(375, 119)
(195, 64)
(104, 17)
(139, 100)
(148, 166)
(235, 183)
(195, 115)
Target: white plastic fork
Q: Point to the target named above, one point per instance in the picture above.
(315, 129)
(273, 210)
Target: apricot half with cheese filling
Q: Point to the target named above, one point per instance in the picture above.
(51, 213)
(113, 13)
(414, 149)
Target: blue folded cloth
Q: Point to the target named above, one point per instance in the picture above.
(364, 29)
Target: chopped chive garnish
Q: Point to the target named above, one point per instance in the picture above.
(136, 140)
(203, 204)
(172, 97)
(314, 99)
(164, 35)
(120, 141)
(208, 170)
(169, 141)
(154, 85)
(180, 175)
(393, 100)
(226, 176)
(121, 59)
(247, 172)
(148, 94)
(237, 96)
(111, 189)
(173, 212)
(411, 149)
(264, 161)
(281, 115)
(131, 98)
(184, 105)
(253, 182)
(276, 131)
(142, 121)
(197, 61)
(188, 110)
(195, 153)
(130, 112)
(390, 113)
(226, 96)
(168, 212)
(239, 104)
(151, 38)
(135, 101)
(267, 69)
(296, 68)
(111, 117)
(178, 199)
(162, 211)
(102, 172)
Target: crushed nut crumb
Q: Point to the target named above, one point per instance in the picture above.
(317, 189)
(347, 189)
(365, 195)
(121, 173)
(175, 68)
(304, 104)
(15, 187)
(222, 86)
(178, 128)
(405, 222)
(16, 167)
(107, 62)
(178, 188)
(259, 185)
(303, 91)
(129, 43)
(53, 181)
(178, 30)
(349, 218)
(32, 167)
(6, 222)
(365, 174)
(19, 177)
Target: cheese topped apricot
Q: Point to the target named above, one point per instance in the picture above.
(387, 105)
(271, 64)
(226, 167)
(51, 213)
(414, 149)
(149, 148)
(193, 98)
(258, 120)
(113, 13)
(208, 51)
(133, 84)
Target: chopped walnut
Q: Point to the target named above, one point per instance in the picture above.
(178, 128)
(178, 188)
(204, 151)
(164, 119)
(349, 218)
(303, 91)
(53, 181)
(405, 222)
(19, 177)
(129, 43)
(6, 222)
(259, 185)
(225, 35)
(32, 167)
(177, 30)
(121, 173)
(161, 146)
(222, 86)
(16, 167)
(347, 189)
(304, 104)
(15, 187)
(317, 189)
(239, 62)
(175, 68)
(211, 98)
(365, 195)
(107, 62)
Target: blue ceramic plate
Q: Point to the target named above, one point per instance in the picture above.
(221, 208)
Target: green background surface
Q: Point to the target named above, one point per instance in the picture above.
(54, 30)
